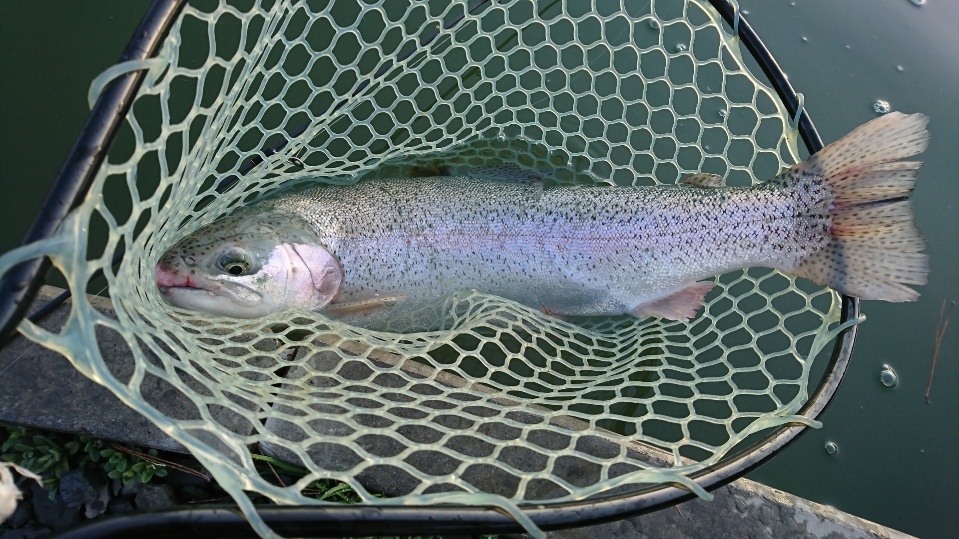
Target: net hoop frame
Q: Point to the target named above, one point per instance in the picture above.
(20, 286)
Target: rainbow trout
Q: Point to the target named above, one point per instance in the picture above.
(840, 219)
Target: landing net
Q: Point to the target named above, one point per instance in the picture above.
(502, 405)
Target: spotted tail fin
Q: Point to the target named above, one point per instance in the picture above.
(874, 250)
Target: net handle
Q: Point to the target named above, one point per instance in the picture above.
(21, 284)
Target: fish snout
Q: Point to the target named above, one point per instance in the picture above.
(167, 276)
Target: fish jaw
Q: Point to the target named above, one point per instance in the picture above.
(211, 296)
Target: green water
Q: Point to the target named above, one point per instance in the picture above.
(898, 462)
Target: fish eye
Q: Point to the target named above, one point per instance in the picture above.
(235, 262)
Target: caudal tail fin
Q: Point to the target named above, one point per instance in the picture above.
(874, 250)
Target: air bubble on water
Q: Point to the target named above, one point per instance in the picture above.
(681, 47)
(654, 24)
(918, 2)
(723, 113)
(848, 47)
(899, 68)
(888, 377)
(832, 448)
(804, 38)
(881, 107)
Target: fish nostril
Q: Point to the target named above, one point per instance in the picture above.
(190, 261)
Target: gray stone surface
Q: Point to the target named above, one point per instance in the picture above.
(739, 510)
(52, 513)
(152, 495)
(82, 485)
(20, 516)
(40, 388)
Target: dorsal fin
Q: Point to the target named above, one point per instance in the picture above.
(703, 181)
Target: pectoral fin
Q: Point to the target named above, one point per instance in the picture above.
(360, 308)
(681, 304)
(703, 181)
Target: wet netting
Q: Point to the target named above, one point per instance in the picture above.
(487, 402)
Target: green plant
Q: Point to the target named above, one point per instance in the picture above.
(40, 454)
(130, 468)
(91, 449)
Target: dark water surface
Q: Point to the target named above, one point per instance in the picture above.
(898, 459)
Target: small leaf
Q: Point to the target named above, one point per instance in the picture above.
(146, 476)
(72, 447)
(108, 452)
(153, 452)
(114, 474)
(160, 472)
(95, 455)
(42, 440)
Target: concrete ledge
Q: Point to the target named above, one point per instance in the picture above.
(739, 510)
(41, 389)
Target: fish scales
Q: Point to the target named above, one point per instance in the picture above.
(572, 250)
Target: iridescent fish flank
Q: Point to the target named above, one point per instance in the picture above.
(840, 219)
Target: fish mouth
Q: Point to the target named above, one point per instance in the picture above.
(182, 290)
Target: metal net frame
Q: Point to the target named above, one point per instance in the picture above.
(497, 405)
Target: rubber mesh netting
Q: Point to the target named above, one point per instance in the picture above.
(496, 404)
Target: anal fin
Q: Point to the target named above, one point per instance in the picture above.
(704, 181)
(680, 304)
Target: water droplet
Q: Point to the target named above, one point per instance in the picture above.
(918, 2)
(881, 107)
(832, 448)
(654, 24)
(681, 47)
(804, 38)
(792, 3)
(723, 113)
(888, 377)
(899, 68)
(848, 47)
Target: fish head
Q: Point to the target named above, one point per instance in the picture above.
(250, 264)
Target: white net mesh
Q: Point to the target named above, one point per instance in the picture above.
(505, 404)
